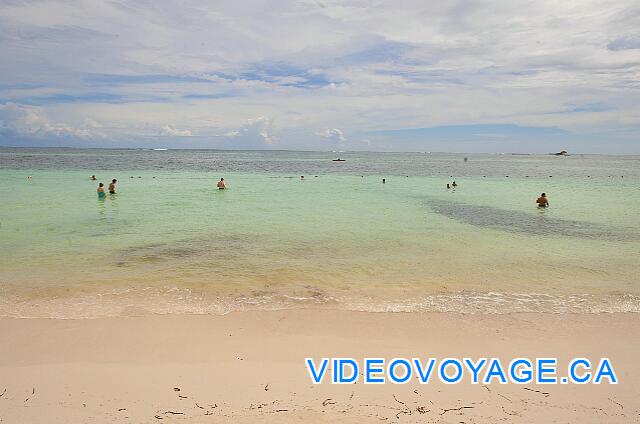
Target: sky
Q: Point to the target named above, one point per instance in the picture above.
(456, 76)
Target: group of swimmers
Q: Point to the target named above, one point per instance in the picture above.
(112, 186)
(542, 201)
(101, 193)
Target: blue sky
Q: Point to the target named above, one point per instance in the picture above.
(461, 76)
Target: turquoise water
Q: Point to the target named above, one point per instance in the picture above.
(169, 241)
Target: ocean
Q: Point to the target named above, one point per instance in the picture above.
(170, 242)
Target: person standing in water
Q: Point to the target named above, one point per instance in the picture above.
(101, 191)
(112, 186)
(221, 185)
(542, 201)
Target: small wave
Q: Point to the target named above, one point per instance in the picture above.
(153, 301)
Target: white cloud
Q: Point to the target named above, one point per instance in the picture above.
(31, 121)
(334, 134)
(169, 130)
(259, 128)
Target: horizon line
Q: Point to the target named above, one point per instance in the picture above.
(316, 151)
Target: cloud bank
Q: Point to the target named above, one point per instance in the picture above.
(304, 74)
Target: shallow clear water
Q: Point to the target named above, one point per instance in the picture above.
(169, 241)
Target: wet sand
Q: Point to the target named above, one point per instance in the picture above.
(248, 367)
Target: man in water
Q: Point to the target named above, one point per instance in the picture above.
(453, 184)
(384, 180)
(93, 178)
(542, 201)
(101, 191)
(221, 184)
(112, 186)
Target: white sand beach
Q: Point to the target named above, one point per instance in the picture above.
(248, 367)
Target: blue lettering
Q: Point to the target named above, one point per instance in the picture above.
(542, 370)
(316, 376)
(495, 370)
(424, 375)
(586, 364)
(525, 375)
(373, 366)
(443, 375)
(475, 368)
(392, 373)
(339, 365)
(605, 369)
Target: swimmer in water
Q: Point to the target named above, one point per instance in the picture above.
(542, 201)
(384, 181)
(453, 184)
(112, 186)
(93, 178)
(301, 177)
(448, 186)
(221, 185)
(101, 191)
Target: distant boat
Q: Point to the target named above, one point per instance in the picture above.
(562, 153)
(338, 160)
(160, 149)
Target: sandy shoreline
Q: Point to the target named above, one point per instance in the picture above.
(249, 367)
